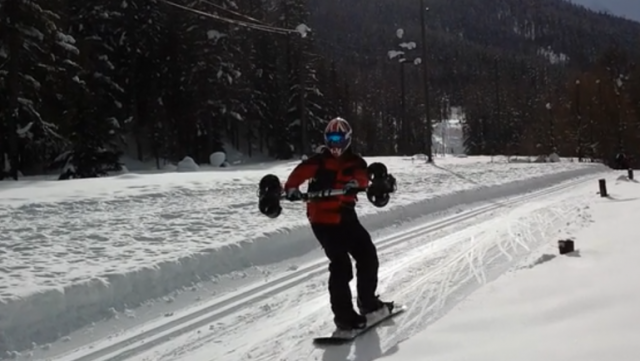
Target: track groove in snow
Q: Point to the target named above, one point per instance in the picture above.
(129, 346)
(441, 270)
(430, 284)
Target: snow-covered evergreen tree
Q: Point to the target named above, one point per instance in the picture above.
(28, 31)
(304, 112)
(85, 94)
(137, 33)
(201, 97)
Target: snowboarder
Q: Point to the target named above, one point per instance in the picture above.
(335, 224)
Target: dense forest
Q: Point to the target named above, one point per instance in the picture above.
(82, 82)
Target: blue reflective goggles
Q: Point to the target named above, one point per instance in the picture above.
(335, 137)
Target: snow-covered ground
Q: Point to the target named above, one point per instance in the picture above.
(582, 306)
(73, 253)
(429, 265)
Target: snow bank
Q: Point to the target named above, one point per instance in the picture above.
(79, 251)
(187, 165)
(578, 307)
(217, 159)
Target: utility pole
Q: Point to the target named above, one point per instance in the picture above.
(302, 94)
(579, 118)
(404, 141)
(425, 79)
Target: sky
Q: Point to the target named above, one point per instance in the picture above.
(625, 8)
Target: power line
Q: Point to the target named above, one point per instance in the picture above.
(265, 28)
(234, 12)
(344, 49)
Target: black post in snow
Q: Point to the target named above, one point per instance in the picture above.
(403, 127)
(425, 79)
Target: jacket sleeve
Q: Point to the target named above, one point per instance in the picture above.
(361, 173)
(301, 173)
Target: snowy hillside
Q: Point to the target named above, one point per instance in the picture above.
(184, 245)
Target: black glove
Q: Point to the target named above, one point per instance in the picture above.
(293, 194)
(352, 187)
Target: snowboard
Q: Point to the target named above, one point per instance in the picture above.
(341, 337)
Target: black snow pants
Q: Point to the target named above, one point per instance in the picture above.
(339, 242)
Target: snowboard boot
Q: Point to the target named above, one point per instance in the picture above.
(353, 322)
(375, 310)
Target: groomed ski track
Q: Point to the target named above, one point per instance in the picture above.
(428, 267)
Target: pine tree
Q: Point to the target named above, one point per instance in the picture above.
(136, 36)
(305, 114)
(258, 73)
(28, 30)
(87, 94)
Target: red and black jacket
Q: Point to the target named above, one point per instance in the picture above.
(324, 172)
